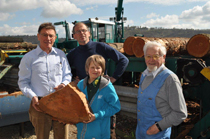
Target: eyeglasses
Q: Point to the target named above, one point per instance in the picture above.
(81, 31)
(50, 35)
(155, 57)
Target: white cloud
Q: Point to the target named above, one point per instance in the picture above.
(5, 16)
(198, 18)
(164, 2)
(191, 14)
(129, 22)
(51, 8)
(167, 21)
(93, 2)
(19, 5)
(23, 30)
(92, 8)
(59, 9)
(152, 15)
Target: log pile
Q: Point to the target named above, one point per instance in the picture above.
(174, 46)
(17, 46)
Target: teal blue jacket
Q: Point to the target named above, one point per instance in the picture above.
(104, 104)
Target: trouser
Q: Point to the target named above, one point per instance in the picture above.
(113, 126)
(43, 123)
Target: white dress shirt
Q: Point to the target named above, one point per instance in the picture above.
(40, 72)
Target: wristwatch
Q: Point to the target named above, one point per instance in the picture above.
(158, 126)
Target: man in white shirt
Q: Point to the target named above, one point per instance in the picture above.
(43, 71)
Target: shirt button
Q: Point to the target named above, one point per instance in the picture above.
(139, 119)
(139, 101)
(141, 92)
(138, 110)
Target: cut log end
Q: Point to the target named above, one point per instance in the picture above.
(198, 45)
(137, 47)
(128, 45)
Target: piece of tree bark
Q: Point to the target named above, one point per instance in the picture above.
(199, 45)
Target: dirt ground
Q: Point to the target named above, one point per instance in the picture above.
(13, 131)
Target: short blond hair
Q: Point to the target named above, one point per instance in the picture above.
(96, 59)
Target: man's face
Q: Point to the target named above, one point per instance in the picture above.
(153, 58)
(81, 34)
(46, 38)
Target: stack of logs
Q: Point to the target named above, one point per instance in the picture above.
(14, 43)
(197, 46)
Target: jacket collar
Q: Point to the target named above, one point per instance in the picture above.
(103, 83)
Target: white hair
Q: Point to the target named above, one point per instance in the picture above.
(151, 44)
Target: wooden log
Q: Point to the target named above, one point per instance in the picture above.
(117, 46)
(138, 45)
(128, 45)
(199, 45)
(174, 46)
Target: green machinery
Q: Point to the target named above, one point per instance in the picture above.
(101, 31)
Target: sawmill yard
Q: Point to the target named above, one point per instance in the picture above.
(125, 125)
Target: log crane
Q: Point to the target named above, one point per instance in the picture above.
(119, 21)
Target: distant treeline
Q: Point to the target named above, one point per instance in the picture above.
(161, 32)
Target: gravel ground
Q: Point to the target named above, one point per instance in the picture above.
(13, 132)
(125, 128)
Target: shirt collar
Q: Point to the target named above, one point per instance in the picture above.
(154, 73)
(95, 82)
(39, 50)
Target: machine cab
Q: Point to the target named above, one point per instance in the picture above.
(101, 31)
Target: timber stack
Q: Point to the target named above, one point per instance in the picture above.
(174, 46)
(14, 43)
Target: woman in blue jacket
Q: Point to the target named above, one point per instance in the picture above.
(102, 99)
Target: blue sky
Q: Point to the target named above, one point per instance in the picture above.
(22, 17)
